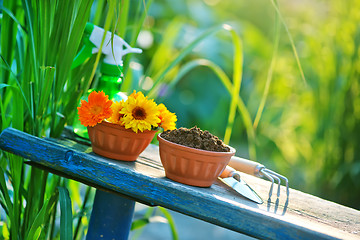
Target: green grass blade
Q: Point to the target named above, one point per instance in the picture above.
(45, 90)
(139, 22)
(12, 16)
(33, 61)
(65, 62)
(108, 21)
(274, 3)
(18, 107)
(8, 35)
(139, 230)
(139, 223)
(3, 85)
(182, 54)
(65, 214)
(42, 217)
(82, 211)
(14, 228)
(100, 6)
(16, 170)
(171, 221)
(4, 121)
(19, 98)
(5, 193)
(123, 19)
(237, 77)
(228, 85)
(35, 197)
(269, 74)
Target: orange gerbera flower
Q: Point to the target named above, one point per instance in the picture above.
(168, 119)
(95, 110)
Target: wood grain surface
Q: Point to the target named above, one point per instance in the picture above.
(301, 216)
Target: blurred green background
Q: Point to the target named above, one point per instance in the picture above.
(309, 131)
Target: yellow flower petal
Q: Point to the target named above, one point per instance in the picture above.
(168, 119)
(140, 113)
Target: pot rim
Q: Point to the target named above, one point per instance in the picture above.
(117, 126)
(200, 151)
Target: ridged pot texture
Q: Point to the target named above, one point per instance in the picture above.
(192, 166)
(115, 142)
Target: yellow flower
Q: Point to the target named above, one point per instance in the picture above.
(140, 113)
(135, 94)
(168, 119)
(116, 115)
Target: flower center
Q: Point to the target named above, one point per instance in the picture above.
(96, 109)
(120, 116)
(139, 113)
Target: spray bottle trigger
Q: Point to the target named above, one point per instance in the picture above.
(84, 54)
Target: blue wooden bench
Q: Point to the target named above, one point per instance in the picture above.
(120, 184)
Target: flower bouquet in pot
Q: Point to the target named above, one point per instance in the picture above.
(122, 130)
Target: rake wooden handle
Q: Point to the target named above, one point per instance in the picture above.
(245, 166)
(228, 172)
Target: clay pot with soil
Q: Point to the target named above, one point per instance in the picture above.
(192, 156)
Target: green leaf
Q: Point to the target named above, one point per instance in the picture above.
(139, 223)
(269, 75)
(65, 214)
(123, 19)
(275, 5)
(42, 217)
(12, 16)
(82, 212)
(3, 85)
(147, 215)
(171, 223)
(182, 54)
(5, 194)
(45, 90)
(237, 77)
(8, 35)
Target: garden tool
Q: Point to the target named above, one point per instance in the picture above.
(232, 178)
(259, 170)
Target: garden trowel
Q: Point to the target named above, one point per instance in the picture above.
(231, 177)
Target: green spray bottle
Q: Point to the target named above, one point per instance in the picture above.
(111, 67)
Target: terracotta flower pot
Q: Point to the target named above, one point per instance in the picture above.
(114, 141)
(192, 166)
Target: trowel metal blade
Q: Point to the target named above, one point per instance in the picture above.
(241, 187)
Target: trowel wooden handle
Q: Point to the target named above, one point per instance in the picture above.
(245, 166)
(228, 172)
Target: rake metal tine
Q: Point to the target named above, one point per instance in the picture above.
(282, 177)
(270, 178)
(278, 181)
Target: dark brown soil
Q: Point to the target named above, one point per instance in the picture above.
(195, 138)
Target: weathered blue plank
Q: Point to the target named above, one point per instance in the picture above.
(306, 217)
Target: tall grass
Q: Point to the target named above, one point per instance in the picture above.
(38, 42)
(39, 95)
